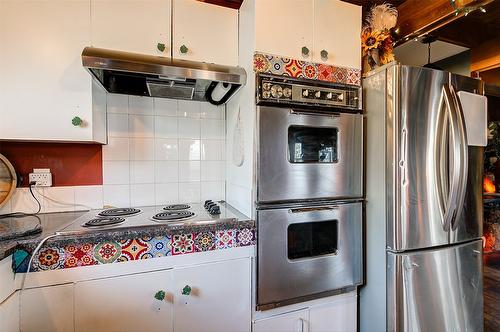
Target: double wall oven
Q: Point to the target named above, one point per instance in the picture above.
(309, 189)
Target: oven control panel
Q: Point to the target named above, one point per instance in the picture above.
(279, 89)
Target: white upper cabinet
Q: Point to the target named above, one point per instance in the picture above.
(285, 27)
(137, 302)
(323, 31)
(204, 32)
(43, 84)
(337, 30)
(132, 25)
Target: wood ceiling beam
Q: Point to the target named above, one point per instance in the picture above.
(418, 17)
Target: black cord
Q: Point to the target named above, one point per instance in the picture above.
(22, 214)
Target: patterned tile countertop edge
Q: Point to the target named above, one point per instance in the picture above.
(127, 244)
(283, 66)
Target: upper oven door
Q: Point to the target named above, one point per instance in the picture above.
(306, 155)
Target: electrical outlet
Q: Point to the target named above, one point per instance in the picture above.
(41, 176)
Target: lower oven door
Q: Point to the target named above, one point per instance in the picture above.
(307, 252)
(305, 155)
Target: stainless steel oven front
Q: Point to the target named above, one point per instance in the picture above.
(306, 154)
(305, 252)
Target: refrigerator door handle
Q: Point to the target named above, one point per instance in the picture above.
(440, 159)
(455, 142)
(464, 158)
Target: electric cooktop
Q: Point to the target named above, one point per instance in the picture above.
(174, 214)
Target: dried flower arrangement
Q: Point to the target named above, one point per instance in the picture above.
(376, 36)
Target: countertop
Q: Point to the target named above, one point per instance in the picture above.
(52, 222)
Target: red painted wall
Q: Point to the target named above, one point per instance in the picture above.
(71, 164)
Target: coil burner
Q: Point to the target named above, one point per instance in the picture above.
(120, 212)
(173, 215)
(103, 222)
(175, 207)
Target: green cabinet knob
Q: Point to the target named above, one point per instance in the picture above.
(183, 49)
(305, 51)
(324, 54)
(161, 47)
(160, 295)
(77, 121)
(186, 290)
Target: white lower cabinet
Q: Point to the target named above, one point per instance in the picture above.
(296, 321)
(125, 303)
(206, 297)
(340, 315)
(333, 314)
(219, 298)
(47, 309)
(9, 314)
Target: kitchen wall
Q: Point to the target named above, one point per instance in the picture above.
(159, 151)
(163, 151)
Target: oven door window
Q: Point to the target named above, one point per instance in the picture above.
(311, 239)
(312, 144)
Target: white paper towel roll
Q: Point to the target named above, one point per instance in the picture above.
(220, 90)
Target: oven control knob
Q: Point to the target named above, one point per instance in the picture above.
(266, 86)
(305, 93)
(317, 94)
(276, 91)
(215, 210)
(340, 97)
(287, 92)
(329, 95)
(266, 94)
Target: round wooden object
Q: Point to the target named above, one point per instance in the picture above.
(8, 180)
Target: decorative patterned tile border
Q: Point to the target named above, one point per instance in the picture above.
(56, 257)
(273, 64)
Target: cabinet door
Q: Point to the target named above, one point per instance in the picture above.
(297, 321)
(337, 30)
(205, 32)
(9, 314)
(337, 316)
(125, 303)
(219, 298)
(131, 25)
(43, 84)
(283, 27)
(47, 309)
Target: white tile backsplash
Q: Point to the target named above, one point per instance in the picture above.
(89, 196)
(59, 199)
(115, 172)
(213, 129)
(142, 149)
(117, 125)
(140, 105)
(165, 107)
(165, 127)
(141, 125)
(189, 171)
(116, 195)
(173, 151)
(142, 172)
(166, 149)
(189, 128)
(189, 149)
(142, 194)
(116, 149)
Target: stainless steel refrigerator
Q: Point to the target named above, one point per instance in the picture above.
(423, 203)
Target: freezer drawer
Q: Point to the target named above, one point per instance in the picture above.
(436, 290)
